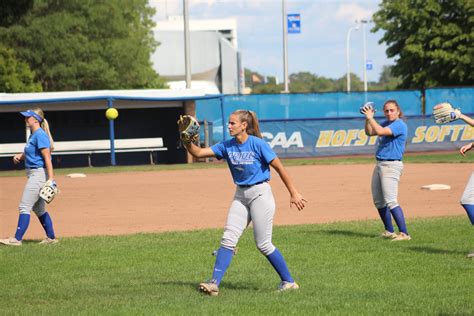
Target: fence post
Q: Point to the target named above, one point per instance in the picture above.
(206, 136)
(111, 134)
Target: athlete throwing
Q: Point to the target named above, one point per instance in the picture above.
(392, 135)
(249, 159)
(445, 113)
(37, 157)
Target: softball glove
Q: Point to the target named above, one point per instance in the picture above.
(49, 191)
(188, 128)
(445, 113)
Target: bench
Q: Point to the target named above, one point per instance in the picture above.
(90, 147)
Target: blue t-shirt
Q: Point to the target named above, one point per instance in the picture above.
(248, 162)
(37, 141)
(393, 146)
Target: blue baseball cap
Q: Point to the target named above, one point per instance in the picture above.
(30, 113)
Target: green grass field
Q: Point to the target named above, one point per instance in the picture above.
(409, 158)
(343, 268)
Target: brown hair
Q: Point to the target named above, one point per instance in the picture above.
(45, 126)
(250, 118)
(397, 105)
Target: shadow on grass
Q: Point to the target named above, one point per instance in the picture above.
(224, 285)
(432, 250)
(31, 241)
(348, 233)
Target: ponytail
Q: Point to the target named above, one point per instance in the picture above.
(251, 119)
(45, 126)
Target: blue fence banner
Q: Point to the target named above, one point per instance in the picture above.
(302, 106)
(462, 98)
(330, 137)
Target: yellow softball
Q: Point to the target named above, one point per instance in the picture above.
(111, 113)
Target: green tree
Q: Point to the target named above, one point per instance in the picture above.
(271, 80)
(387, 81)
(356, 83)
(87, 44)
(306, 82)
(15, 75)
(430, 39)
(253, 78)
(267, 88)
(303, 82)
(13, 10)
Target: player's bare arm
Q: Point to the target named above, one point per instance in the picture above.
(372, 128)
(369, 131)
(18, 158)
(295, 197)
(46, 153)
(199, 152)
(467, 119)
(464, 149)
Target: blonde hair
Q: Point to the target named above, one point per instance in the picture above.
(250, 118)
(45, 125)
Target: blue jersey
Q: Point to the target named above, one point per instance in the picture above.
(249, 163)
(37, 141)
(392, 147)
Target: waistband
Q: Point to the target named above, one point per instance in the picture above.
(34, 168)
(250, 185)
(388, 159)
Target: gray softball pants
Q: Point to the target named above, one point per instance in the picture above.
(385, 179)
(31, 200)
(468, 194)
(251, 204)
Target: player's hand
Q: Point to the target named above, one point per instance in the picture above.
(17, 158)
(465, 149)
(298, 200)
(368, 112)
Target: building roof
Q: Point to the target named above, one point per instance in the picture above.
(77, 96)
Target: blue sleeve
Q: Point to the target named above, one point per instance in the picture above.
(267, 153)
(43, 141)
(398, 128)
(219, 150)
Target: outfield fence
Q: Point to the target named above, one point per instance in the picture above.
(326, 124)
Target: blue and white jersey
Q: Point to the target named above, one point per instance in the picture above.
(392, 147)
(37, 141)
(249, 163)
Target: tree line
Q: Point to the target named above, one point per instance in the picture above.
(54, 45)
(306, 82)
(432, 42)
(58, 45)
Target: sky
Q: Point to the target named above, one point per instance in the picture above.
(319, 49)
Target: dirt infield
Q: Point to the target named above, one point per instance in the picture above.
(123, 203)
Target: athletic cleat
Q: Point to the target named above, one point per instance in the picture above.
(285, 286)
(471, 254)
(401, 236)
(48, 241)
(388, 235)
(210, 288)
(10, 242)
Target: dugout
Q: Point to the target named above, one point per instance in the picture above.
(80, 116)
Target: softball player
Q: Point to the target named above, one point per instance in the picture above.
(392, 135)
(39, 168)
(249, 159)
(467, 199)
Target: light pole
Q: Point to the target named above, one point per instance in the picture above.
(364, 44)
(347, 57)
(187, 48)
(285, 45)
